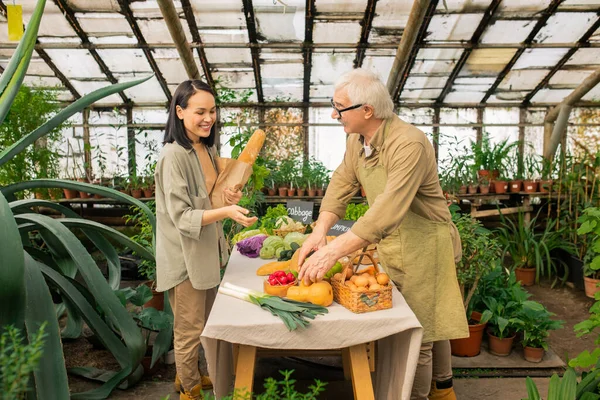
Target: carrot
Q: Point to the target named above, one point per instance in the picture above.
(255, 144)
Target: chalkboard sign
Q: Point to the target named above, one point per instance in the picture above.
(341, 227)
(300, 211)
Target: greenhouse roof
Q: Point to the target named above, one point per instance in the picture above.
(466, 52)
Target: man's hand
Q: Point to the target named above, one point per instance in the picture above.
(315, 267)
(232, 197)
(312, 243)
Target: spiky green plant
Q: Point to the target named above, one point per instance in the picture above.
(29, 274)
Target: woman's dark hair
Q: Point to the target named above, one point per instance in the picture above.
(175, 130)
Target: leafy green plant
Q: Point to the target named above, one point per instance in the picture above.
(537, 324)
(283, 389)
(480, 252)
(144, 237)
(25, 299)
(567, 387)
(18, 360)
(590, 227)
(505, 313)
(354, 211)
(531, 248)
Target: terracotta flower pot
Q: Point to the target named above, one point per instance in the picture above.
(530, 186)
(515, 186)
(320, 192)
(301, 192)
(84, 195)
(312, 192)
(271, 192)
(500, 186)
(470, 346)
(472, 189)
(158, 298)
(283, 191)
(291, 192)
(483, 173)
(500, 347)
(591, 286)
(533, 354)
(462, 189)
(546, 186)
(148, 193)
(70, 193)
(97, 196)
(484, 189)
(136, 193)
(525, 275)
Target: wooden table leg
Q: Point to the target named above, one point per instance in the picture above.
(244, 371)
(346, 363)
(361, 374)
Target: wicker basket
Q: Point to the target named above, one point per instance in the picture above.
(282, 233)
(360, 302)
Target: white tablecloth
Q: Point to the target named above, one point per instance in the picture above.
(235, 321)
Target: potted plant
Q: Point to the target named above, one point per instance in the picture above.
(484, 185)
(504, 322)
(481, 251)
(135, 186)
(500, 184)
(472, 179)
(532, 172)
(545, 184)
(537, 324)
(590, 227)
(530, 249)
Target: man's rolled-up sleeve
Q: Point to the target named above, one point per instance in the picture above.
(406, 168)
(186, 218)
(341, 188)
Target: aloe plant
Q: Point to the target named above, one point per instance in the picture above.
(28, 273)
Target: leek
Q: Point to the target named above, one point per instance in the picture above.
(294, 314)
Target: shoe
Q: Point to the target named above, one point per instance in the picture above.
(194, 394)
(205, 381)
(442, 391)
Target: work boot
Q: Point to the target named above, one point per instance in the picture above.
(205, 381)
(442, 390)
(194, 394)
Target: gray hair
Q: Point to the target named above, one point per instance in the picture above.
(365, 87)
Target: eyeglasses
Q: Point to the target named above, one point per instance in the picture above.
(354, 107)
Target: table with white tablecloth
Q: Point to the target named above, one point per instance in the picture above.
(397, 333)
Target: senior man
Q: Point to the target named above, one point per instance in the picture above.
(408, 218)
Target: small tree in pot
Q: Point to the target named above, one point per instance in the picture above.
(537, 324)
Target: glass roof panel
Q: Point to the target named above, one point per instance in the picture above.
(294, 71)
(503, 31)
(125, 60)
(508, 115)
(224, 36)
(104, 24)
(532, 58)
(425, 82)
(452, 27)
(147, 92)
(385, 35)
(439, 54)
(222, 14)
(38, 66)
(150, 115)
(419, 94)
(156, 30)
(236, 79)
(464, 97)
(283, 90)
(585, 56)
(268, 55)
(75, 63)
(53, 21)
(85, 87)
(391, 14)
(428, 67)
(592, 95)
(42, 81)
(487, 62)
(379, 65)
(564, 77)
(520, 8)
(550, 95)
(279, 23)
(321, 92)
(565, 27)
(465, 6)
(458, 115)
(94, 5)
(113, 39)
(339, 6)
(474, 81)
(523, 79)
(327, 67)
(579, 4)
(336, 32)
(223, 56)
(416, 115)
(64, 95)
(507, 97)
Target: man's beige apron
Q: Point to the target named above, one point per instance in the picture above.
(419, 258)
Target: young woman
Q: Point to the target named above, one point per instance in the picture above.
(190, 246)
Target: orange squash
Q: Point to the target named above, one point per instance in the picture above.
(319, 293)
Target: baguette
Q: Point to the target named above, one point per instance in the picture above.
(255, 144)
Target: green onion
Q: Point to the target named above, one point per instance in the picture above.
(294, 314)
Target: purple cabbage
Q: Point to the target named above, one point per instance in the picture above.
(251, 246)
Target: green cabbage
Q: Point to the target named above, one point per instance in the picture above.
(294, 237)
(270, 247)
(245, 235)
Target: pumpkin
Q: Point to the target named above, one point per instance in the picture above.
(319, 293)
